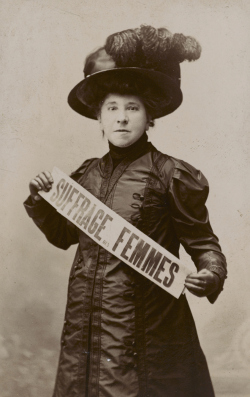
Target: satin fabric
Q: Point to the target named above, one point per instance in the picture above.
(124, 336)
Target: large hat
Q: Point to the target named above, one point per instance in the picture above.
(153, 55)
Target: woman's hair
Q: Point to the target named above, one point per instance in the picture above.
(126, 84)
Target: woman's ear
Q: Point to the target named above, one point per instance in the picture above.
(150, 122)
(99, 119)
(100, 125)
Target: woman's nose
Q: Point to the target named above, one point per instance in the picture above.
(122, 118)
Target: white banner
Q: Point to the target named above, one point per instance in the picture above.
(115, 234)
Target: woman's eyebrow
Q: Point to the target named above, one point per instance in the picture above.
(111, 103)
(133, 103)
(115, 103)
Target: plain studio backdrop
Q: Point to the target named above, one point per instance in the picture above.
(44, 44)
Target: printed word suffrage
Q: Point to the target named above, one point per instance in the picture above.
(115, 234)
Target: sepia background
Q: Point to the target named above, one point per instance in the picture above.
(43, 45)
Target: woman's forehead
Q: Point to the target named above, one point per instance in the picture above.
(122, 99)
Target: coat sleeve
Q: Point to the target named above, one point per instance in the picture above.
(57, 229)
(188, 192)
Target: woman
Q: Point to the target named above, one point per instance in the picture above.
(124, 336)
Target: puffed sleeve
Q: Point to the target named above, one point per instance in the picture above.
(188, 192)
(57, 229)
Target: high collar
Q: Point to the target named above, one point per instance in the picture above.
(119, 153)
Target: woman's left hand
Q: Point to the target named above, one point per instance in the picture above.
(202, 283)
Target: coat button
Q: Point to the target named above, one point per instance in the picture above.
(133, 343)
(135, 217)
(128, 295)
(135, 354)
(129, 283)
(138, 196)
(135, 205)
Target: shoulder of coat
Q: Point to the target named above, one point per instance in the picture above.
(84, 167)
(168, 167)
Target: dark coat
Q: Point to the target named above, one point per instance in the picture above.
(124, 336)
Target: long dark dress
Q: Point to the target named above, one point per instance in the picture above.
(124, 336)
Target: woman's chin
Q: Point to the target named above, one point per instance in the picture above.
(122, 142)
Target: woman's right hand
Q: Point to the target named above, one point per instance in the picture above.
(42, 181)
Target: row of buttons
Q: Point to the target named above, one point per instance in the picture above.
(135, 354)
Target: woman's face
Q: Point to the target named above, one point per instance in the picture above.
(123, 118)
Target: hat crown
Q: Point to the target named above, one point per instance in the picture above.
(99, 61)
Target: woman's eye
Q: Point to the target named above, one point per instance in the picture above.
(112, 108)
(133, 108)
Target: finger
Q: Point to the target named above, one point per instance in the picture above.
(40, 183)
(45, 180)
(34, 183)
(198, 282)
(34, 186)
(48, 176)
(200, 294)
(198, 274)
(195, 288)
(34, 189)
(203, 271)
(194, 274)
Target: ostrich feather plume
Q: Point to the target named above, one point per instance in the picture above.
(151, 48)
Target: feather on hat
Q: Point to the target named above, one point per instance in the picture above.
(154, 54)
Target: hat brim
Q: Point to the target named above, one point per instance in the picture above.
(165, 84)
